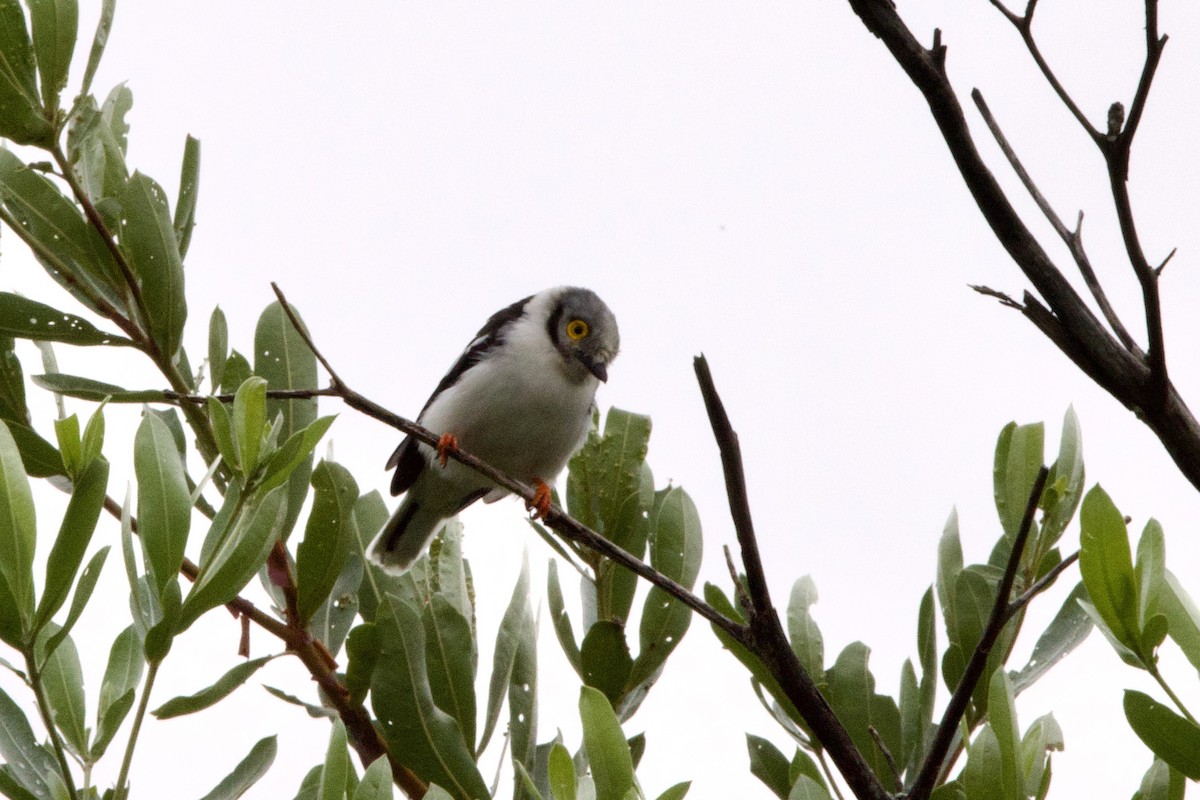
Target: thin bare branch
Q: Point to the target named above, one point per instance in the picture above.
(767, 638)
(1073, 239)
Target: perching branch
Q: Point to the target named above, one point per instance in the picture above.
(1002, 611)
(767, 638)
(557, 519)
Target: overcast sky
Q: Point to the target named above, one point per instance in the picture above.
(757, 182)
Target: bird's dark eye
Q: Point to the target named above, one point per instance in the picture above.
(577, 329)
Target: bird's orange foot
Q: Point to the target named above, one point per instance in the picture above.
(447, 443)
(540, 504)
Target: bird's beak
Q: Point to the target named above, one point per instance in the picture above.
(597, 368)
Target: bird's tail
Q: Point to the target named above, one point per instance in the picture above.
(404, 537)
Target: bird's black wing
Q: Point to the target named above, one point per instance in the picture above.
(407, 460)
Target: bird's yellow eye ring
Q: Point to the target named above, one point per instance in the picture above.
(577, 329)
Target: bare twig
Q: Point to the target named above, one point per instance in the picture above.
(1072, 238)
(767, 638)
(1002, 610)
(1004, 299)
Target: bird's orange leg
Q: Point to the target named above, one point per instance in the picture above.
(447, 443)
(540, 504)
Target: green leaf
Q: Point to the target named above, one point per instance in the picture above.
(1161, 783)
(950, 564)
(1002, 717)
(98, 42)
(121, 679)
(23, 318)
(1070, 626)
(337, 765)
(69, 249)
(18, 529)
(1106, 565)
(1019, 455)
(282, 357)
(376, 781)
(328, 537)
(55, 24)
(164, 503)
(1064, 484)
(1150, 572)
(238, 558)
(237, 370)
(161, 634)
(362, 653)
(769, 765)
(1043, 736)
(851, 693)
(561, 769)
(189, 190)
(28, 764)
(803, 631)
(22, 120)
(250, 422)
(562, 620)
(225, 686)
(331, 623)
(247, 772)
(606, 660)
(66, 433)
(78, 525)
(92, 444)
(676, 548)
(1169, 736)
(508, 638)
(983, 776)
(431, 740)
(222, 425)
(450, 660)
(604, 742)
(83, 593)
(1183, 617)
(522, 692)
(218, 345)
(676, 792)
(806, 788)
(148, 241)
(370, 513)
(62, 681)
(96, 142)
(88, 389)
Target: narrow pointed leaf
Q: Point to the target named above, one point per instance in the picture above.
(88, 389)
(332, 785)
(78, 525)
(282, 357)
(328, 537)
(164, 504)
(561, 620)
(55, 24)
(607, 751)
(189, 190)
(522, 695)
(62, 681)
(18, 529)
(561, 773)
(431, 740)
(1106, 565)
(83, 592)
(23, 318)
(806, 788)
(247, 772)
(211, 695)
(29, 764)
(148, 240)
(606, 660)
(508, 638)
(238, 558)
(1183, 617)
(22, 120)
(1019, 455)
(1070, 626)
(249, 422)
(449, 654)
(121, 679)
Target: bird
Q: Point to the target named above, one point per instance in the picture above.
(521, 397)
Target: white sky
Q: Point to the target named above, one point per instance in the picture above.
(759, 183)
